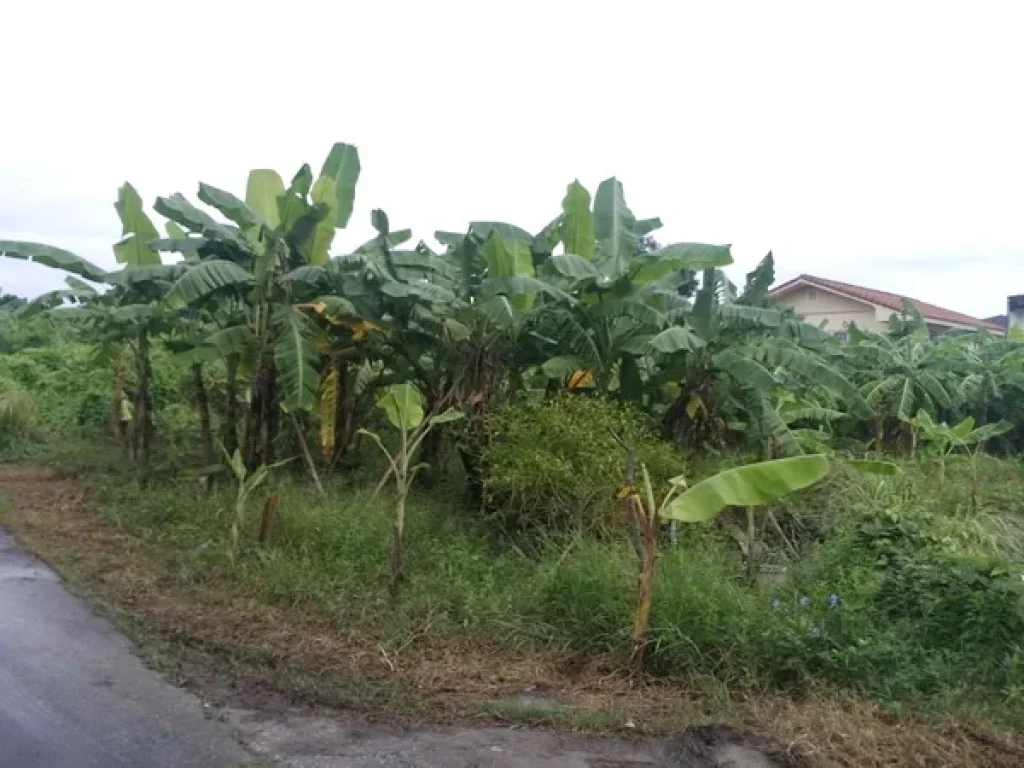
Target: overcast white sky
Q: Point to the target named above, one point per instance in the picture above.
(879, 143)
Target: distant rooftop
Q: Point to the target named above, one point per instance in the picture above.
(888, 300)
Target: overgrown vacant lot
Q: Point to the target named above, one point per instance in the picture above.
(484, 627)
(568, 474)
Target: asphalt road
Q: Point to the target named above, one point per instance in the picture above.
(72, 695)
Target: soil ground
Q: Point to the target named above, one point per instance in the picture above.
(306, 697)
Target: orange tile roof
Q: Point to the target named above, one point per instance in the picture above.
(888, 300)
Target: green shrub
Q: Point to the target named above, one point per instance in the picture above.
(555, 466)
(919, 612)
(177, 430)
(19, 416)
(65, 381)
(931, 577)
(93, 410)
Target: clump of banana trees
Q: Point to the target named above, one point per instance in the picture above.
(307, 337)
(261, 273)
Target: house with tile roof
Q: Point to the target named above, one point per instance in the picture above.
(833, 305)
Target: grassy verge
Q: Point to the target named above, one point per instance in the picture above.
(491, 630)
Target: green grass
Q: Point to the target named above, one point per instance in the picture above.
(327, 564)
(572, 594)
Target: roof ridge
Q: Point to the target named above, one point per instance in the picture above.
(861, 287)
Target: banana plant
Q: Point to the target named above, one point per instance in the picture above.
(623, 299)
(945, 440)
(991, 373)
(403, 406)
(247, 482)
(797, 410)
(445, 322)
(746, 486)
(901, 376)
(269, 263)
(733, 352)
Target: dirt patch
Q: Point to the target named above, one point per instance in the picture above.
(349, 741)
(709, 746)
(243, 652)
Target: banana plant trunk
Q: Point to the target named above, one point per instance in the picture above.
(645, 591)
(203, 411)
(253, 423)
(396, 554)
(646, 529)
(229, 430)
(270, 414)
(975, 484)
(753, 548)
(261, 421)
(307, 457)
(472, 465)
(403, 481)
(117, 424)
(143, 417)
(345, 421)
(430, 451)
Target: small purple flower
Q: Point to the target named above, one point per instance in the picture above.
(804, 600)
(833, 600)
(776, 604)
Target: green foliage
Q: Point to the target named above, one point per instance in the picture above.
(247, 483)
(19, 416)
(746, 486)
(49, 256)
(17, 332)
(927, 598)
(572, 593)
(874, 466)
(577, 230)
(73, 388)
(136, 229)
(555, 465)
(342, 168)
(929, 578)
(403, 405)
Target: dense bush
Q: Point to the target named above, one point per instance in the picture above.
(72, 389)
(900, 602)
(19, 415)
(934, 580)
(554, 465)
(18, 333)
(64, 380)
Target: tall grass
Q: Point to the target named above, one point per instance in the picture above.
(327, 561)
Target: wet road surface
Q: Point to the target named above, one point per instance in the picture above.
(72, 695)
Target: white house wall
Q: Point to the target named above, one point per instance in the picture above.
(817, 304)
